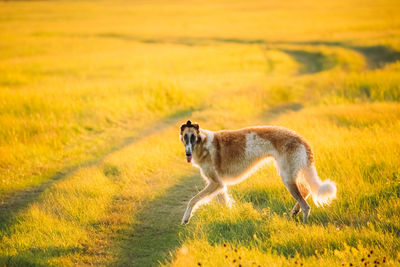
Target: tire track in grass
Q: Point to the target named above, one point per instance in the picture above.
(376, 56)
(157, 229)
(311, 62)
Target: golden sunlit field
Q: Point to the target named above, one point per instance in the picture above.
(92, 94)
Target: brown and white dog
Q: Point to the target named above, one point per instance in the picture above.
(228, 157)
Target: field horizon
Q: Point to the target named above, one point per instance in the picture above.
(92, 95)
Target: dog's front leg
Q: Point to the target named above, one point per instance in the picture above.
(209, 191)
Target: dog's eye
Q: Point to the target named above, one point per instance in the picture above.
(192, 139)
(185, 137)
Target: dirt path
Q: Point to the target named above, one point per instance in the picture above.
(158, 227)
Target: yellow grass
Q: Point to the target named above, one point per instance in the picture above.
(92, 96)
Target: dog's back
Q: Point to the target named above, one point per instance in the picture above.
(236, 152)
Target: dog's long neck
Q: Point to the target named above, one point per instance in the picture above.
(201, 149)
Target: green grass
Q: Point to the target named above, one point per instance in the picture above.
(92, 96)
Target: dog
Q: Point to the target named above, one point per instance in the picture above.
(228, 157)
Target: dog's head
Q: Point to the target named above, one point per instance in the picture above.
(190, 136)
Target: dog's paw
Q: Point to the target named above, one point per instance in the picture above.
(293, 213)
(184, 221)
(186, 217)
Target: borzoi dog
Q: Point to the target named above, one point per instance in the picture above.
(228, 157)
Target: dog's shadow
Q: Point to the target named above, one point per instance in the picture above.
(243, 228)
(275, 198)
(248, 219)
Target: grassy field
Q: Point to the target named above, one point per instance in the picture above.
(92, 95)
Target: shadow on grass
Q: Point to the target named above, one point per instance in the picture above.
(311, 62)
(274, 198)
(11, 205)
(158, 226)
(377, 56)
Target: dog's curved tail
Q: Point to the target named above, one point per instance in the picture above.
(323, 192)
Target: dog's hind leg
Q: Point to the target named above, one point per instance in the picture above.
(305, 192)
(295, 210)
(289, 177)
(294, 191)
(209, 191)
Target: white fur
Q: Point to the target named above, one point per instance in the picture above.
(322, 192)
(257, 146)
(210, 138)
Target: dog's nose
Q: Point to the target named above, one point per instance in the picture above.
(188, 154)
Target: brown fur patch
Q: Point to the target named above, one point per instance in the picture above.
(228, 145)
(231, 143)
(218, 152)
(202, 155)
(304, 190)
(284, 140)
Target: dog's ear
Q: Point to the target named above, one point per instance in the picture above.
(197, 128)
(183, 127)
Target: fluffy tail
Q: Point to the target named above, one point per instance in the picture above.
(322, 192)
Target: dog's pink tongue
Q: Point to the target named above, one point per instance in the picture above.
(189, 159)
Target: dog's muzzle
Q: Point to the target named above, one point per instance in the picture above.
(189, 157)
